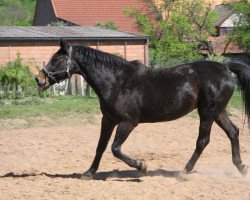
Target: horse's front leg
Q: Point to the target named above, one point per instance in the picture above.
(107, 128)
(123, 130)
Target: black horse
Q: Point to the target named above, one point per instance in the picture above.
(131, 93)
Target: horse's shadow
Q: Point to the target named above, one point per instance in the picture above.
(115, 175)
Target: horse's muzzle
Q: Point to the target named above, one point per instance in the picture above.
(42, 82)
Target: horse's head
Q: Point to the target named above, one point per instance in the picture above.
(60, 67)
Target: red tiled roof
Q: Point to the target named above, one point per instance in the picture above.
(90, 12)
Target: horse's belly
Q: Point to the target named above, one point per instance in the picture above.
(169, 110)
(164, 116)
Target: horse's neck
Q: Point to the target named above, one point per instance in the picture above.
(104, 72)
(103, 78)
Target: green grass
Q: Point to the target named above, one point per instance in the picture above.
(236, 101)
(62, 106)
(66, 105)
(60, 110)
(55, 107)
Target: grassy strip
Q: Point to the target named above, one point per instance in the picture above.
(62, 106)
(56, 107)
(60, 110)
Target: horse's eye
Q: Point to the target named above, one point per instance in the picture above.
(55, 61)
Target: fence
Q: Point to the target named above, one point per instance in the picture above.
(76, 85)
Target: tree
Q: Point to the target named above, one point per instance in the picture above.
(241, 33)
(16, 12)
(179, 30)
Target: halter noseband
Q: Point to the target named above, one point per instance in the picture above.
(51, 74)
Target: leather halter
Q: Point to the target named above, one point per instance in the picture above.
(51, 74)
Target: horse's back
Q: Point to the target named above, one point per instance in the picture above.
(162, 94)
(181, 89)
(167, 94)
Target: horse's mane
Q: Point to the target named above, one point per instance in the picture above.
(98, 57)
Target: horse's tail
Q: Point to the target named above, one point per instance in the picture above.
(242, 72)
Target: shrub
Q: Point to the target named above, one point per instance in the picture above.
(16, 80)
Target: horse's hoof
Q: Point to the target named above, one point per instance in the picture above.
(143, 168)
(244, 170)
(87, 176)
(182, 176)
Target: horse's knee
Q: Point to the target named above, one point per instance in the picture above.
(234, 135)
(202, 143)
(237, 130)
(116, 151)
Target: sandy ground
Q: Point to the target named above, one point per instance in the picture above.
(46, 163)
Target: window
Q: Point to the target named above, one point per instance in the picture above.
(226, 30)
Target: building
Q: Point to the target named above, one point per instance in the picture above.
(87, 13)
(38, 43)
(225, 22)
(91, 12)
(225, 25)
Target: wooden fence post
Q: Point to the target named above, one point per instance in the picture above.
(69, 88)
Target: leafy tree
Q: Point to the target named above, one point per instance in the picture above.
(16, 12)
(178, 31)
(241, 33)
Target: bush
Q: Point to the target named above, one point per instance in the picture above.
(16, 80)
(216, 57)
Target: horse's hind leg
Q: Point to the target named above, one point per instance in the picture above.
(202, 141)
(123, 130)
(233, 134)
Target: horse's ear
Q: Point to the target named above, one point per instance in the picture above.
(64, 45)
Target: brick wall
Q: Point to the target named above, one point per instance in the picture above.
(36, 52)
(40, 52)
